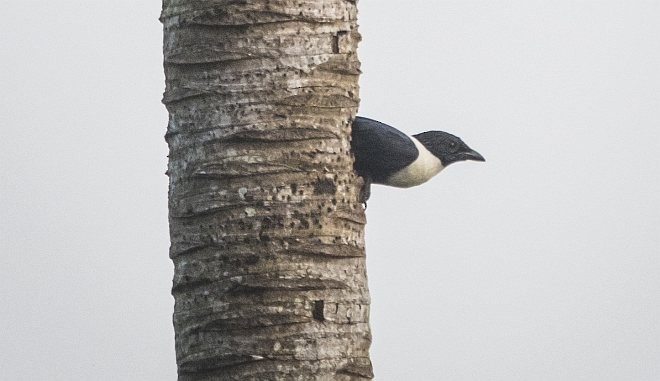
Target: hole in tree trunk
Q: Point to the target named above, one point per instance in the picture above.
(335, 43)
(317, 311)
(335, 40)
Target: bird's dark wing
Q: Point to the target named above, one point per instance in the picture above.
(379, 149)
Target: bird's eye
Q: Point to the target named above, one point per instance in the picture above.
(453, 146)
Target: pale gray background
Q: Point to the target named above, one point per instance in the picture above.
(541, 264)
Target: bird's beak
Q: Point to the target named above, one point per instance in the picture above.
(472, 155)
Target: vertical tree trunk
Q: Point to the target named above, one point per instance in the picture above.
(265, 224)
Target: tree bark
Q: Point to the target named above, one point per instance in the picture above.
(267, 233)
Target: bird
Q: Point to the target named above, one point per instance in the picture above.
(387, 156)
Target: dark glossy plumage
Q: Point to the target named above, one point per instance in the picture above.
(379, 149)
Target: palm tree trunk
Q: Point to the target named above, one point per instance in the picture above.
(265, 224)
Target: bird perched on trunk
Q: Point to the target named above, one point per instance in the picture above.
(385, 155)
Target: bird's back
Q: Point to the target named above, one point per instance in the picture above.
(379, 149)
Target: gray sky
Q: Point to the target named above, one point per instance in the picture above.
(541, 264)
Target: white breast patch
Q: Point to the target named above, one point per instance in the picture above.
(420, 171)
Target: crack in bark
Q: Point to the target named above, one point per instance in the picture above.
(190, 286)
(217, 362)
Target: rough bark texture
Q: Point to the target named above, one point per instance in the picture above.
(265, 224)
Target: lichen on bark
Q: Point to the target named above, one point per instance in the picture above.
(267, 233)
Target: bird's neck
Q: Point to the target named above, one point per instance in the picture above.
(418, 172)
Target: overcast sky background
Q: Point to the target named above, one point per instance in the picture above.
(541, 264)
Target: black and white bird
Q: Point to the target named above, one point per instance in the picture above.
(385, 155)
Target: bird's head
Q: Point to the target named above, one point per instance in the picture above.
(447, 147)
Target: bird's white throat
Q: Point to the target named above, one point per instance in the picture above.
(419, 171)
